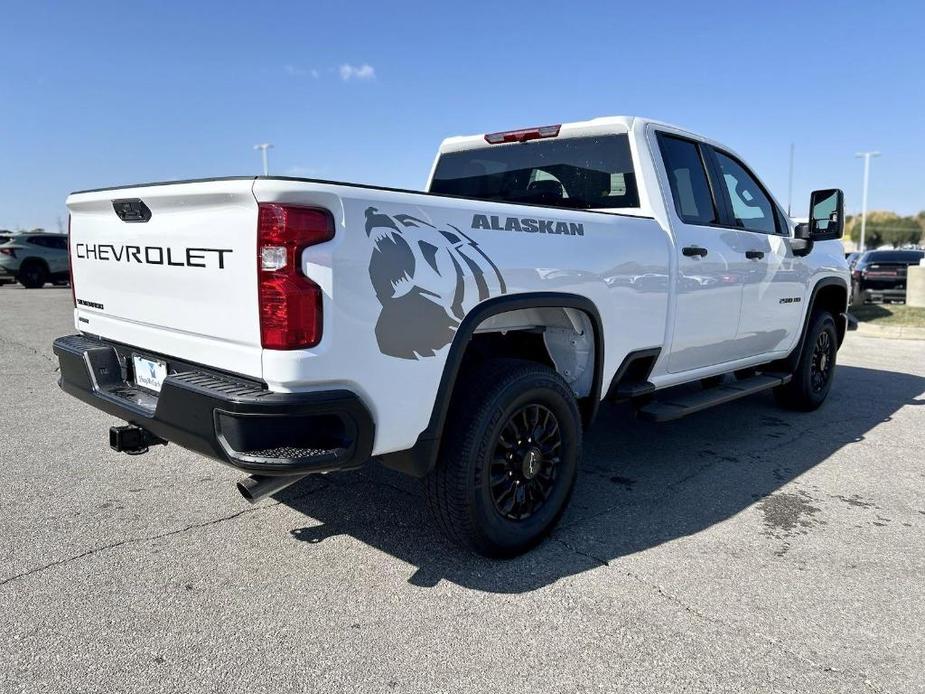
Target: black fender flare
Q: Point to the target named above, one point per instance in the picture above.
(420, 458)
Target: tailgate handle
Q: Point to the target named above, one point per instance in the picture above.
(131, 210)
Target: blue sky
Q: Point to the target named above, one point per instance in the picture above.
(97, 94)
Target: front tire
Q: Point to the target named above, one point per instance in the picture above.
(815, 371)
(509, 458)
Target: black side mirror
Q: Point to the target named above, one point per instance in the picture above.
(826, 214)
(802, 240)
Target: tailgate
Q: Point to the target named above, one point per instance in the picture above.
(181, 284)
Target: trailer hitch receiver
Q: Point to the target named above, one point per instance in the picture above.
(133, 439)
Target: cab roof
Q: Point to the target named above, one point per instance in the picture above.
(594, 126)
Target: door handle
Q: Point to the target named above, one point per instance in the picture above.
(754, 255)
(690, 251)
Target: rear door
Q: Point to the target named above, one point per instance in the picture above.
(171, 268)
(710, 261)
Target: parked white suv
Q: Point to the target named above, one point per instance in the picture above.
(34, 258)
(465, 335)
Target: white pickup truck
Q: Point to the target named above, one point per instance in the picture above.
(465, 335)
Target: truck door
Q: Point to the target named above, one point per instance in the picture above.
(774, 279)
(710, 260)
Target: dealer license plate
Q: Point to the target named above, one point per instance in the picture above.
(149, 373)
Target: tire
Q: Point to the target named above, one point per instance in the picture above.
(509, 458)
(815, 371)
(33, 274)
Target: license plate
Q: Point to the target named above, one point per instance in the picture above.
(149, 373)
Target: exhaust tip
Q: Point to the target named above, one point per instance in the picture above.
(245, 491)
(257, 487)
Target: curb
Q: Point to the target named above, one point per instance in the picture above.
(897, 332)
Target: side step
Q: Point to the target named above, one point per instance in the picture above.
(683, 404)
(636, 389)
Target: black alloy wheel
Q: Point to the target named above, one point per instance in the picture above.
(508, 459)
(815, 372)
(822, 361)
(525, 465)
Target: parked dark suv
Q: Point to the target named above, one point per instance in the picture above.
(882, 275)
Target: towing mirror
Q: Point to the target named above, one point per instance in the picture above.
(826, 214)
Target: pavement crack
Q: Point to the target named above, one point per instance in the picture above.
(15, 343)
(777, 643)
(575, 550)
(156, 536)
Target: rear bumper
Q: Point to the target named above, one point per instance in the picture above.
(235, 421)
(891, 293)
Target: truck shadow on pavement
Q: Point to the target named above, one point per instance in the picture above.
(640, 485)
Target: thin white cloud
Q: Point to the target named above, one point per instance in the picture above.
(296, 71)
(358, 72)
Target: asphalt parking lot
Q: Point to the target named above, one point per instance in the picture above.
(742, 549)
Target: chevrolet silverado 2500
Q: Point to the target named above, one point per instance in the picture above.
(465, 335)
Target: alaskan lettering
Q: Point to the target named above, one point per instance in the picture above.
(527, 224)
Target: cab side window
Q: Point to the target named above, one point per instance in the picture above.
(687, 177)
(752, 210)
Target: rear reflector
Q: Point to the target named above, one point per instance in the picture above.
(290, 303)
(523, 135)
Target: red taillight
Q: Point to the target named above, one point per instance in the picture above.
(8, 251)
(70, 264)
(290, 303)
(523, 135)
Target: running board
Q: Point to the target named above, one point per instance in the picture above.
(684, 404)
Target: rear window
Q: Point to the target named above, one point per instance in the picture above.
(575, 172)
(893, 257)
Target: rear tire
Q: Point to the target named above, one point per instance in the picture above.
(33, 274)
(815, 371)
(509, 458)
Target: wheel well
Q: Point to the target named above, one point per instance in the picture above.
(558, 337)
(536, 325)
(834, 299)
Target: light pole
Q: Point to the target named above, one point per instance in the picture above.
(790, 181)
(866, 156)
(263, 151)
